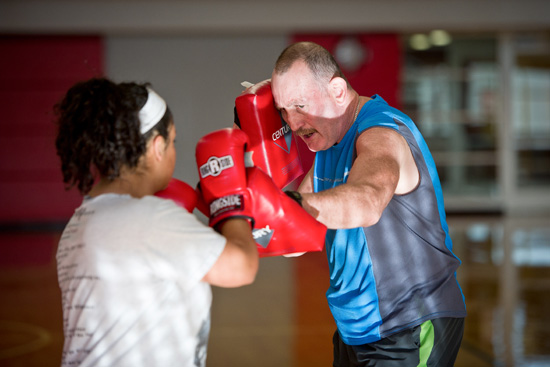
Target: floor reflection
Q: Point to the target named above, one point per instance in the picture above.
(505, 277)
(283, 319)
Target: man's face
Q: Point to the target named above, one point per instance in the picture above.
(306, 106)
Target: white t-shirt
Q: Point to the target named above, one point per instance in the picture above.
(130, 273)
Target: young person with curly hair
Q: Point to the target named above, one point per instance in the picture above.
(135, 270)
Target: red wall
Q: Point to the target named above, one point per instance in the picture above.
(380, 72)
(35, 71)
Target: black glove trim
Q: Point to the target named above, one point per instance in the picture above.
(236, 117)
(294, 195)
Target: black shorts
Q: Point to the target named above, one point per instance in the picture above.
(434, 343)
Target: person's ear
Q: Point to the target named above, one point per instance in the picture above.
(159, 147)
(338, 89)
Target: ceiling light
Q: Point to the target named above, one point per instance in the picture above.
(419, 42)
(440, 37)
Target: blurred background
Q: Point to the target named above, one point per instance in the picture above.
(473, 74)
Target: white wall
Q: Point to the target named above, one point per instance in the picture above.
(199, 76)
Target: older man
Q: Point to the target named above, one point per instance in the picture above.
(393, 291)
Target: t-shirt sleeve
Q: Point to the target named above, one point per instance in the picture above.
(179, 245)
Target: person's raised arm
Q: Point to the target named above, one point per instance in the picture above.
(223, 188)
(238, 263)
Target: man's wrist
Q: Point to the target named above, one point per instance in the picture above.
(295, 195)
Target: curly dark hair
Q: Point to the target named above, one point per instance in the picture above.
(99, 130)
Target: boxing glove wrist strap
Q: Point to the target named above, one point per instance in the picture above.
(229, 203)
(295, 195)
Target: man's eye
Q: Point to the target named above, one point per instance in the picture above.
(300, 106)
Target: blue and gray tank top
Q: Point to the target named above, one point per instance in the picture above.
(401, 271)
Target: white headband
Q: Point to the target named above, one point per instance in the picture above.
(151, 113)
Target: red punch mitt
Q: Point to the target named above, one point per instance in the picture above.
(281, 226)
(271, 140)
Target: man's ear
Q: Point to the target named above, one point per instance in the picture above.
(339, 89)
(159, 147)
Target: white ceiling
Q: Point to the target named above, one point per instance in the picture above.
(268, 16)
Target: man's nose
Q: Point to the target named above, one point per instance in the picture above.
(293, 121)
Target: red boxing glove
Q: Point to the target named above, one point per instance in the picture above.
(181, 193)
(201, 204)
(222, 174)
(271, 140)
(282, 226)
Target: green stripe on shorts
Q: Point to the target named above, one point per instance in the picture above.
(426, 342)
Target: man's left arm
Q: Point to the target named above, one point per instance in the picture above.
(381, 169)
